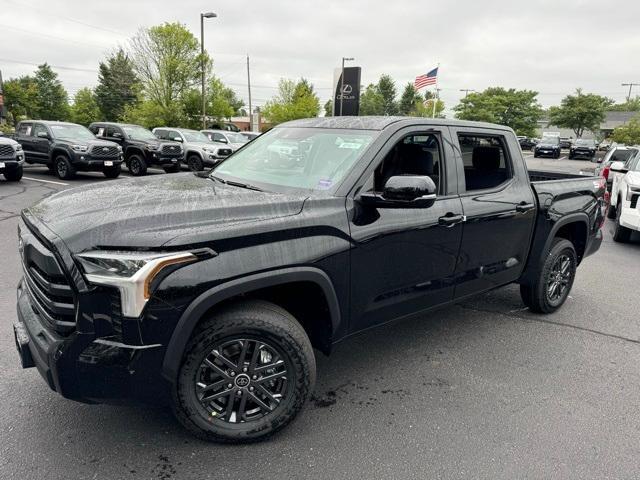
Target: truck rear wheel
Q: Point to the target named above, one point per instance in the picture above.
(63, 168)
(13, 175)
(246, 373)
(554, 282)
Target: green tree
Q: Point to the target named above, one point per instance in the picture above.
(51, 99)
(628, 134)
(167, 60)
(518, 109)
(410, 97)
(371, 102)
(118, 85)
(20, 97)
(85, 108)
(294, 100)
(328, 108)
(580, 112)
(387, 90)
(149, 114)
(632, 105)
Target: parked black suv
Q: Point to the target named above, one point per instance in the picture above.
(66, 148)
(141, 147)
(547, 147)
(212, 288)
(583, 147)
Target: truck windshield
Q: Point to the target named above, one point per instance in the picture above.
(237, 138)
(194, 136)
(300, 158)
(71, 132)
(139, 133)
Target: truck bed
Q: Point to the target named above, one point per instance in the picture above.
(545, 176)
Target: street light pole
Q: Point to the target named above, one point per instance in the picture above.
(344, 59)
(204, 100)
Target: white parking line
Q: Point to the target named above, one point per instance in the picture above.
(44, 181)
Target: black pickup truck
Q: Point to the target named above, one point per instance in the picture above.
(140, 147)
(66, 148)
(212, 289)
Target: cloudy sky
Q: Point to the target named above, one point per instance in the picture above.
(548, 46)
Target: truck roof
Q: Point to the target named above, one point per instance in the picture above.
(380, 123)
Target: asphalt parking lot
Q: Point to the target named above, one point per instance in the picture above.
(483, 389)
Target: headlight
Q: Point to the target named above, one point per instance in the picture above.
(18, 148)
(119, 148)
(79, 148)
(208, 149)
(152, 147)
(131, 272)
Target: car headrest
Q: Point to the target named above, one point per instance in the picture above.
(486, 158)
(415, 160)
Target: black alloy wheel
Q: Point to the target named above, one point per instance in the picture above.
(559, 279)
(195, 164)
(136, 165)
(63, 168)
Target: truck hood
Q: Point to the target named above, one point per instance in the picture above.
(633, 179)
(152, 211)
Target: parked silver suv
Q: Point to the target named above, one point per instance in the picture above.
(198, 149)
(233, 139)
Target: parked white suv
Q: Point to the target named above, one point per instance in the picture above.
(233, 139)
(625, 194)
(198, 149)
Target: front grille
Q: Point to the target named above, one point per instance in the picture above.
(51, 295)
(224, 152)
(6, 151)
(171, 150)
(99, 151)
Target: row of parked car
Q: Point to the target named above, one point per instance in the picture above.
(551, 146)
(66, 148)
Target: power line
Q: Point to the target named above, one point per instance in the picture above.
(44, 35)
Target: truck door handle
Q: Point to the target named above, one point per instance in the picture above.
(449, 220)
(524, 207)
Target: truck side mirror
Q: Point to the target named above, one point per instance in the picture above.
(177, 139)
(618, 167)
(403, 191)
(43, 135)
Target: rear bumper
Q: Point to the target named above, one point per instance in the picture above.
(85, 368)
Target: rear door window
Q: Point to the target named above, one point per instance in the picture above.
(486, 161)
(25, 129)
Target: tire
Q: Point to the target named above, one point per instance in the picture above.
(252, 323)
(136, 165)
(112, 172)
(535, 155)
(542, 296)
(172, 168)
(63, 168)
(570, 157)
(14, 175)
(194, 162)
(611, 212)
(621, 234)
(556, 156)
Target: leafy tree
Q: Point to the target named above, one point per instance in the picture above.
(328, 108)
(51, 100)
(85, 107)
(371, 101)
(632, 105)
(167, 60)
(580, 112)
(294, 100)
(387, 90)
(118, 85)
(149, 114)
(20, 97)
(518, 109)
(628, 134)
(410, 97)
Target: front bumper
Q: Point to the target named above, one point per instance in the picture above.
(11, 165)
(84, 366)
(85, 162)
(157, 158)
(583, 153)
(547, 153)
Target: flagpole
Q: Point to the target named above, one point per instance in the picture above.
(435, 100)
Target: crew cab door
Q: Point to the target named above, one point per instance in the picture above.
(40, 144)
(499, 207)
(24, 138)
(403, 259)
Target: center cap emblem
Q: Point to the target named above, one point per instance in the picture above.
(242, 381)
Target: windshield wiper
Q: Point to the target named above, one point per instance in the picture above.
(243, 185)
(217, 179)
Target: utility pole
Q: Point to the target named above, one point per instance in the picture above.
(344, 59)
(630, 85)
(204, 100)
(436, 98)
(466, 91)
(249, 87)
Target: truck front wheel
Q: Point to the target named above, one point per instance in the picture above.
(136, 165)
(13, 175)
(63, 168)
(246, 373)
(550, 290)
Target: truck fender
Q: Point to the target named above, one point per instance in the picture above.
(198, 307)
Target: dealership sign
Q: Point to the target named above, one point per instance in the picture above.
(346, 91)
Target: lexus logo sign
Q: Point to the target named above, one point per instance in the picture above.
(347, 89)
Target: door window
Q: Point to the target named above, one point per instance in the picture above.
(38, 128)
(218, 137)
(172, 134)
(416, 154)
(110, 130)
(485, 160)
(25, 129)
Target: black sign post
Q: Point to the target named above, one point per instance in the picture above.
(350, 94)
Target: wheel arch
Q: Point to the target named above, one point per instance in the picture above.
(574, 228)
(133, 151)
(258, 284)
(188, 153)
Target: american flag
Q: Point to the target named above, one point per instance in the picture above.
(424, 80)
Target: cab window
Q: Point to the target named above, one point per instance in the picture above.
(25, 129)
(110, 130)
(485, 159)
